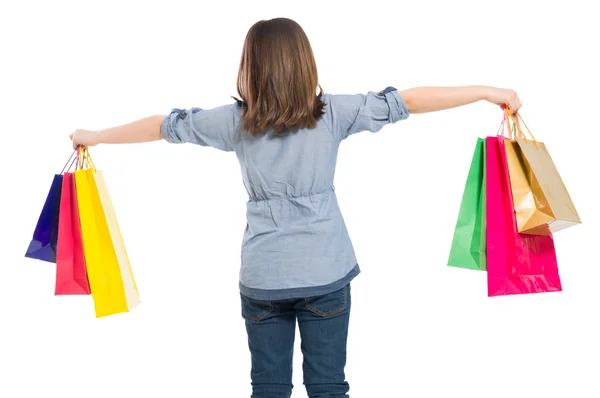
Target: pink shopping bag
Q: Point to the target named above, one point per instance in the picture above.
(71, 274)
(516, 263)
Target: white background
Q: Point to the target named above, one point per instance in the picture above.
(418, 328)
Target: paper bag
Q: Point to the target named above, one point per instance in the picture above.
(516, 263)
(71, 274)
(111, 288)
(131, 293)
(45, 236)
(468, 243)
(542, 203)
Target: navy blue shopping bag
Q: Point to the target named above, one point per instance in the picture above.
(45, 236)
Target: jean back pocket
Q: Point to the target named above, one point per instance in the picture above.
(255, 310)
(329, 304)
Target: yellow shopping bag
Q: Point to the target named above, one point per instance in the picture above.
(131, 293)
(112, 284)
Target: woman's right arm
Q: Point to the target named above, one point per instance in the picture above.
(143, 130)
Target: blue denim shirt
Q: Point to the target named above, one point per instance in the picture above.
(295, 243)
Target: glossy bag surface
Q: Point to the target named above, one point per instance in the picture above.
(71, 274)
(45, 236)
(468, 243)
(516, 263)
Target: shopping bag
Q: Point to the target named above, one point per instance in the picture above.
(131, 292)
(542, 203)
(45, 236)
(102, 262)
(468, 244)
(44, 243)
(71, 274)
(516, 263)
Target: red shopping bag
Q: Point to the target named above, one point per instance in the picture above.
(71, 275)
(516, 263)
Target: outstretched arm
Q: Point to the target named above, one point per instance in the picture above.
(431, 99)
(143, 130)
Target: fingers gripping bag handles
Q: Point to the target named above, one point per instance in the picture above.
(111, 280)
(542, 203)
(516, 263)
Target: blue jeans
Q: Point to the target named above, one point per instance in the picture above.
(323, 323)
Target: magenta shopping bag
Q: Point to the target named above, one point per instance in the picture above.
(516, 263)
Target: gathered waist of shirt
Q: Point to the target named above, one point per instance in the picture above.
(295, 242)
(313, 213)
(285, 196)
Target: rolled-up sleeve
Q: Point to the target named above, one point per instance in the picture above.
(366, 112)
(207, 127)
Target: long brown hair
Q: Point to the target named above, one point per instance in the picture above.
(277, 78)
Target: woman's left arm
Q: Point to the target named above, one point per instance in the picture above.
(431, 99)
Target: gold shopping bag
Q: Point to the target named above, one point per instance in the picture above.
(542, 203)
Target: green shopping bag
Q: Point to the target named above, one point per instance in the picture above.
(468, 243)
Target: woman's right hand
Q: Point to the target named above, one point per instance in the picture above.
(84, 138)
(503, 97)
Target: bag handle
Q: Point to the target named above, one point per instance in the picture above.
(88, 158)
(506, 116)
(516, 130)
(515, 119)
(84, 158)
(519, 117)
(80, 158)
(72, 162)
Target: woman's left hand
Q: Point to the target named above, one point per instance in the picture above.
(503, 97)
